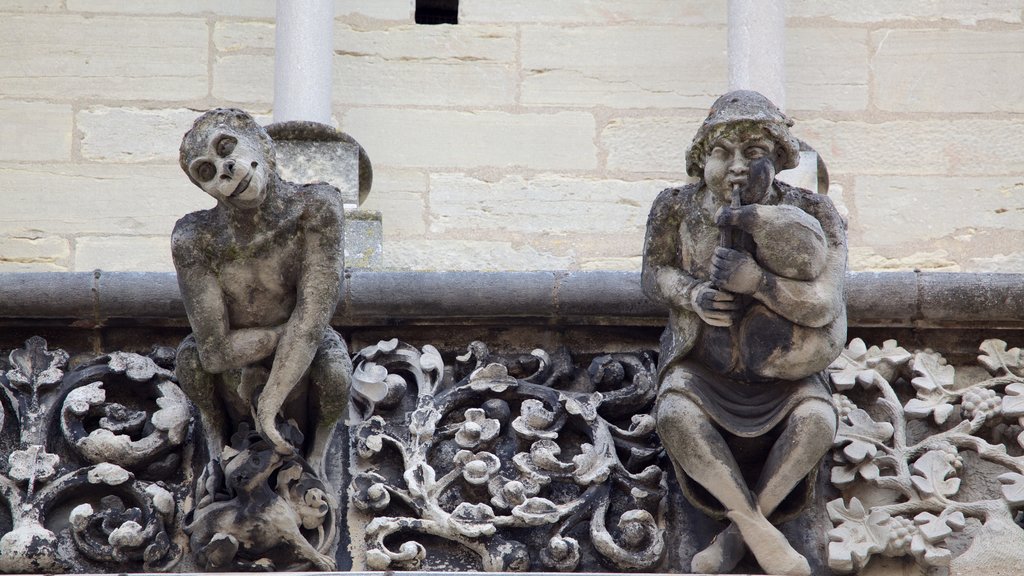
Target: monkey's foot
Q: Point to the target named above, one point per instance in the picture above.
(722, 555)
(770, 547)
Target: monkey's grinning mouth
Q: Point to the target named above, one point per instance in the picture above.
(241, 186)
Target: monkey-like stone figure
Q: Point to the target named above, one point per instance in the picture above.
(752, 271)
(260, 274)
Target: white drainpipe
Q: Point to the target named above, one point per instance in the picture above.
(303, 59)
(757, 48)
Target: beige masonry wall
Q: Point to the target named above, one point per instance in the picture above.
(532, 135)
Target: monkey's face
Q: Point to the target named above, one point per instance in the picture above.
(232, 169)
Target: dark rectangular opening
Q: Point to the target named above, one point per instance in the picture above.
(437, 11)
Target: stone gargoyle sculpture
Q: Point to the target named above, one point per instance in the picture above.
(752, 271)
(260, 274)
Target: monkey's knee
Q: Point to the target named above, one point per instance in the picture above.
(195, 381)
(330, 377)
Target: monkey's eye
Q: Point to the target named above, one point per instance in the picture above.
(204, 171)
(226, 145)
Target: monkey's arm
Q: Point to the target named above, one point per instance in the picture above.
(220, 347)
(319, 286)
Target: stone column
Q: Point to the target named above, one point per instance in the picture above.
(303, 59)
(757, 42)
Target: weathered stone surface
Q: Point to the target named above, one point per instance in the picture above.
(540, 205)
(364, 239)
(237, 36)
(92, 198)
(35, 131)
(380, 9)
(337, 163)
(34, 254)
(123, 253)
(826, 69)
(927, 147)
(870, 11)
(948, 71)
(130, 58)
(598, 263)
(598, 12)
(457, 254)
(400, 196)
(234, 8)
(888, 207)
(598, 66)
(245, 78)
(31, 5)
(649, 143)
(403, 138)
(426, 82)
(455, 44)
(132, 134)
(864, 258)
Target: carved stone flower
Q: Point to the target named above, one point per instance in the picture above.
(534, 421)
(509, 492)
(537, 512)
(638, 528)
(369, 437)
(473, 520)
(478, 468)
(561, 554)
(477, 429)
(369, 492)
(33, 464)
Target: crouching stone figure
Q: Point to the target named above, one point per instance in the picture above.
(260, 274)
(752, 271)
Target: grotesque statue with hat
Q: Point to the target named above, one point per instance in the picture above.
(260, 274)
(752, 271)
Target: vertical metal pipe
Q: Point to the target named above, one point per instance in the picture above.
(303, 60)
(757, 48)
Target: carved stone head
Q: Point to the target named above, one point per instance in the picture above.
(230, 156)
(744, 110)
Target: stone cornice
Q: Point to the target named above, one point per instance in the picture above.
(883, 299)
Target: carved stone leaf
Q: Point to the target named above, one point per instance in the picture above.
(932, 530)
(858, 364)
(35, 366)
(583, 405)
(1012, 487)
(861, 436)
(493, 377)
(934, 382)
(420, 479)
(934, 475)
(1013, 401)
(34, 464)
(857, 536)
(998, 360)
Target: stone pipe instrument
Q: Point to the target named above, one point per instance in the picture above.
(759, 178)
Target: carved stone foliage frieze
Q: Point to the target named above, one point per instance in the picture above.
(505, 463)
(929, 459)
(91, 455)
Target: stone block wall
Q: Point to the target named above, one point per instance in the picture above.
(532, 135)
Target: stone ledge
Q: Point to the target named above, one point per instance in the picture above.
(876, 299)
